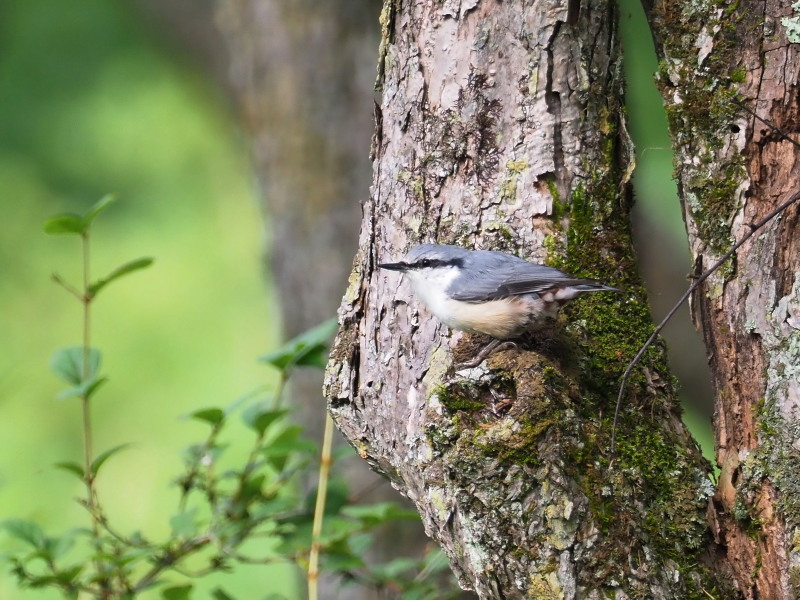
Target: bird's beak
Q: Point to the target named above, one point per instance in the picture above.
(399, 266)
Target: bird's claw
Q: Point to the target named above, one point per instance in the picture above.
(490, 348)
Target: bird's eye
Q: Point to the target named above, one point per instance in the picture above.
(424, 263)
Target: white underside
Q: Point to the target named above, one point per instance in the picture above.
(501, 319)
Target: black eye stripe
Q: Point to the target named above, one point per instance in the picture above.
(425, 263)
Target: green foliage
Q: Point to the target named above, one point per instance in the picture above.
(104, 456)
(121, 271)
(72, 224)
(68, 363)
(259, 419)
(94, 101)
(309, 349)
(227, 511)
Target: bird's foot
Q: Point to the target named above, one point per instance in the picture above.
(487, 350)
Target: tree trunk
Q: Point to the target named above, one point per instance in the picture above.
(501, 127)
(732, 170)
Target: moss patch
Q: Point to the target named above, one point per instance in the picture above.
(529, 417)
(700, 122)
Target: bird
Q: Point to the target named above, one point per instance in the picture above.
(489, 292)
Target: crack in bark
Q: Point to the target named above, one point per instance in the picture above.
(553, 101)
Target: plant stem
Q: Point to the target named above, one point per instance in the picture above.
(88, 454)
(168, 560)
(87, 421)
(278, 395)
(319, 509)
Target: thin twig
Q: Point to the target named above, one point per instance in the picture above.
(775, 128)
(168, 561)
(87, 424)
(188, 483)
(277, 397)
(319, 509)
(67, 286)
(687, 293)
(88, 453)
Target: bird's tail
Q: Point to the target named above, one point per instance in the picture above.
(591, 285)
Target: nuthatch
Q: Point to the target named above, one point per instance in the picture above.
(488, 292)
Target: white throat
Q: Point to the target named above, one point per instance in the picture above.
(430, 286)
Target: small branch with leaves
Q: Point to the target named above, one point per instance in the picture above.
(226, 514)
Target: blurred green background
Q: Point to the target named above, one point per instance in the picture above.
(93, 101)
(90, 103)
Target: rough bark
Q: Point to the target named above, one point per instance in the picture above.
(732, 170)
(500, 127)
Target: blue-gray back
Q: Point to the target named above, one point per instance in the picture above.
(491, 275)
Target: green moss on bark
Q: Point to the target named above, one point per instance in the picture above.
(651, 501)
(701, 93)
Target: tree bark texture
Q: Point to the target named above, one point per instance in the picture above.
(732, 170)
(500, 127)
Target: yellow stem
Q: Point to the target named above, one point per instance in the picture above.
(319, 509)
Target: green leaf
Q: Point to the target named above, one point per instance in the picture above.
(203, 453)
(396, 568)
(67, 363)
(184, 524)
(273, 508)
(59, 546)
(338, 496)
(259, 419)
(99, 207)
(212, 416)
(69, 575)
(374, 514)
(339, 559)
(286, 444)
(336, 528)
(85, 389)
(27, 531)
(66, 224)
(70, 467)
(286, 447)
(177, 592)
(309, 349)
(104, 456)
(251, 489)
(129, 267)
(220, 594)
(72, 224)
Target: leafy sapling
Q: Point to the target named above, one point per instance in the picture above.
(220, 512)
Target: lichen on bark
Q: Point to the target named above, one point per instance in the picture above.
(725, 67)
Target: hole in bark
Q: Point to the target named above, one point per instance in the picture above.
(339, 402)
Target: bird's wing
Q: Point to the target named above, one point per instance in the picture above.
(500, 278)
